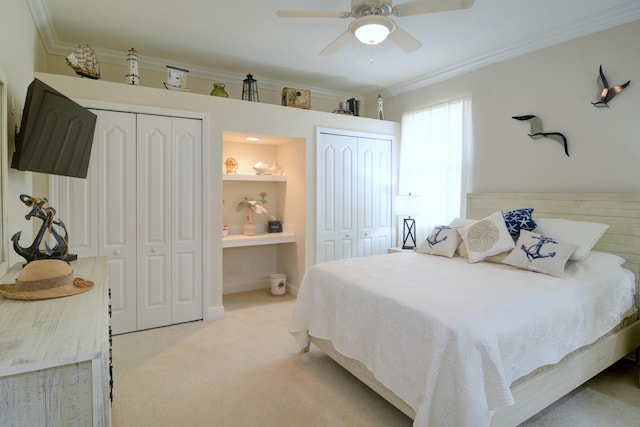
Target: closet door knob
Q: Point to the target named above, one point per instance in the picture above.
(116, 253)
(154, 250)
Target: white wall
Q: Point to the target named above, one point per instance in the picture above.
(235, 116)
(556, 84)
(21, 53)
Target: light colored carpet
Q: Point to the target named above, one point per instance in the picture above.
(246, 370)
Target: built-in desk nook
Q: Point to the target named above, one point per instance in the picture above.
(54, 354)
(269, 171)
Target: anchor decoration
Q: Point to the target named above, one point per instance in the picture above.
(434, 240)
(533, 252)
(47, 214)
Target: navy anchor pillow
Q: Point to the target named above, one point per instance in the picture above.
(519, 219)
(540, 253)
(443, 240)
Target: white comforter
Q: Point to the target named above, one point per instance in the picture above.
(450, 337)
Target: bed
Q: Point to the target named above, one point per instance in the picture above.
(480, 358)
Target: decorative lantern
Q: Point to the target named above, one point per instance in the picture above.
(250, 89)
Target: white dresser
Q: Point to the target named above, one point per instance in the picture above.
(54, 355)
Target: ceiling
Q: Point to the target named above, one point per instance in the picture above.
(224, 41)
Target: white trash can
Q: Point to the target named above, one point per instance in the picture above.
(278, 284)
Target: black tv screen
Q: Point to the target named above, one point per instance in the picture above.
(56, 134)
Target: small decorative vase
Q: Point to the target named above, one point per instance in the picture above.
(218, 90)
(249, 229)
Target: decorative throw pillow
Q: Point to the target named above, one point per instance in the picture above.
(540, 253)
(581, 234)
(486, 238)
(443, 240)
(519, 219)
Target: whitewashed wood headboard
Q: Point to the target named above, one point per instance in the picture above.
(620, 211)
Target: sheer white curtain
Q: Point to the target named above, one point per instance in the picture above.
(435, 153)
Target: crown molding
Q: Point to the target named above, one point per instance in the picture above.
(616, 16)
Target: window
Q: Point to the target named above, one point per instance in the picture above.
(435, 157)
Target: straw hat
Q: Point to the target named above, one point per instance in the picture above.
(45, 279)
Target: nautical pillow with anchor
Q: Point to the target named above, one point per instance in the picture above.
(539, 253)
(443, 240)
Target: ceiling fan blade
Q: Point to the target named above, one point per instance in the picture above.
(420, 7)
(404, 40)
(311, 14)
(335, 45)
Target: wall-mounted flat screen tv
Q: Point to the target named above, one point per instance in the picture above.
(55, 135)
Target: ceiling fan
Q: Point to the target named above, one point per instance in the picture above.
(372, 24)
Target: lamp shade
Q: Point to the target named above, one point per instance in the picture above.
(372, 29)
(408, 205)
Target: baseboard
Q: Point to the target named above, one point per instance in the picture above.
(215, 313)
(292, 290)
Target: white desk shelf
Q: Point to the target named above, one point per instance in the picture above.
(256, 178)
(241, 240)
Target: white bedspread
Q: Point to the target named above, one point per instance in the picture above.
(450, 337)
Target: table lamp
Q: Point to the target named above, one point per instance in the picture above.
(407, 206)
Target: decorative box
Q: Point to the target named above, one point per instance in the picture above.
(299, 98)
(275, 227)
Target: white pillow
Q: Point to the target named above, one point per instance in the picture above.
(457, 223)
(443, 240)
(581, 234)
(540, 253)
(461, 222)
(487, 237)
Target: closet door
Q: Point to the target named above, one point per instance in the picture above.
(115, 146)
(186, 266)
(374, 196)
(154, 221)
(100, 211)
(337, 232)
(76, 204)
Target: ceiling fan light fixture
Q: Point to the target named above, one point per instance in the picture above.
(372, 29)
